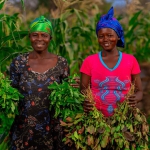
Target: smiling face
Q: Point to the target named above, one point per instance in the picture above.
(39, 41)
(107, 39)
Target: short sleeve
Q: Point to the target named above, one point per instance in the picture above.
(136, 68)
(14, 73)
(85, 67)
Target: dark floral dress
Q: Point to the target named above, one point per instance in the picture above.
(35, 127)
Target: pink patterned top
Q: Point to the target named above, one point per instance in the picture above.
(110, 85)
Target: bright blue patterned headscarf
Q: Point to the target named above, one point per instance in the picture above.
(108, 21)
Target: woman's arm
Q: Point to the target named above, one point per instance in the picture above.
(65, 70)
(84, 83)
(137, 97)
(14, 74)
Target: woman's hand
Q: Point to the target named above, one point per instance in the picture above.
(77, 82)
(133, 100)
(138, 95)
(88, 106)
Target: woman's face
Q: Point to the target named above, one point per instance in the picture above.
(107, 38)
(39, 40)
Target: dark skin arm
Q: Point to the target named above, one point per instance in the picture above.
(84, 83)
(137, 97)
(133, 99)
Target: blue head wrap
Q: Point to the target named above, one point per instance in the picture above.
(108, 21)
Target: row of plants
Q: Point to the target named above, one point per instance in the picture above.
(74, 36)
(9, 99)
(11, 43)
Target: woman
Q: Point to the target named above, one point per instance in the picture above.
(31, 73)
(110, 72)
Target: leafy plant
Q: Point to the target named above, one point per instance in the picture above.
(65, 96)
(136, 36)
(87, 131)
(82, 129)
(148, 120)
(11, 38)
(129, 128)
(9, 98)
(126, 129)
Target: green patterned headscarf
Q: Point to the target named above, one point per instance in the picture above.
(41, 24)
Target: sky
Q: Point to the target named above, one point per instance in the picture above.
(117, 2)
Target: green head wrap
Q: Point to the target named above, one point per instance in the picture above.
(41, 24)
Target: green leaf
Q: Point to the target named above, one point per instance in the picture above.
(12, 107)
(2, 2)
(22, 2)
(17, 35)
(134, 18)
(91, 129)
(76, 135)
(118, 128)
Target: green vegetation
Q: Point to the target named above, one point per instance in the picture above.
(10, 39)
(9, 99)
(65, 96)
(127, 129)
(74, 36)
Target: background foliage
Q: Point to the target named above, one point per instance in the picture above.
(74, 25)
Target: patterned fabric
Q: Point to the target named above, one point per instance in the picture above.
(108, 21)
(110, 85)
(35, 127)
(41, 24)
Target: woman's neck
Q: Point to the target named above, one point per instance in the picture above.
(39, 55)
(110, 53)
